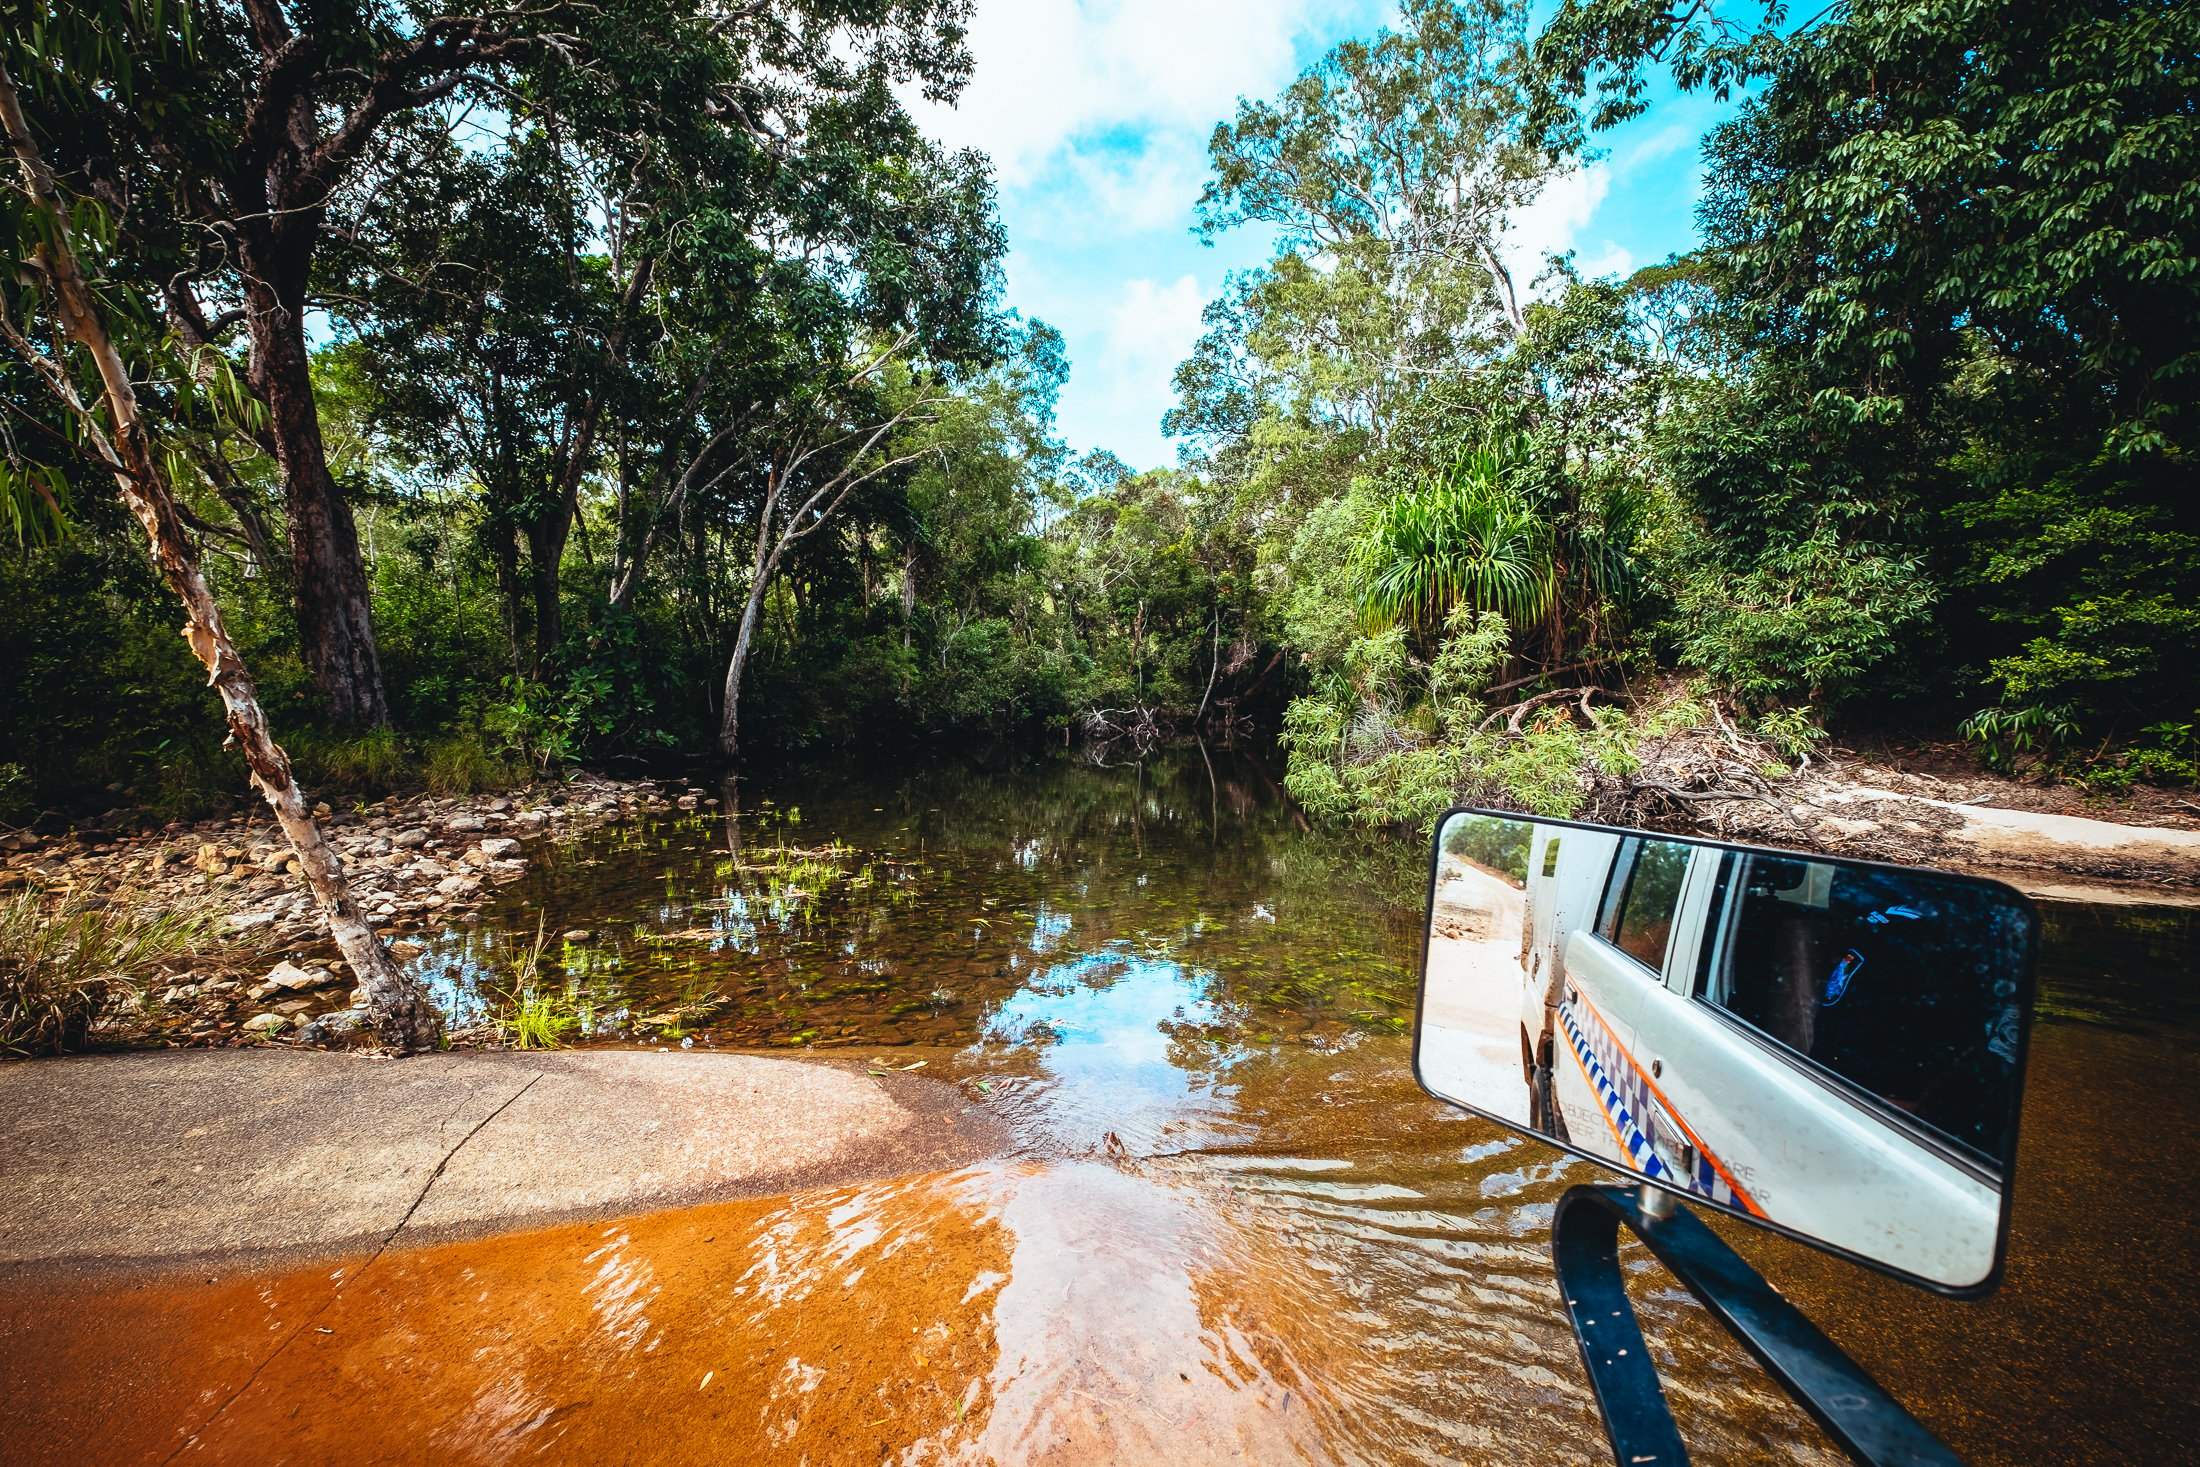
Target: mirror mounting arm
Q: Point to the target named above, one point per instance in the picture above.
(1860, 1416)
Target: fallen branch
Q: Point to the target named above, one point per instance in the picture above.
(1519, 711)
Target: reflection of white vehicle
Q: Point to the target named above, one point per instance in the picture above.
(1679, 1016)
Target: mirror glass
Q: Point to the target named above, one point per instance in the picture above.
(1831, 1048)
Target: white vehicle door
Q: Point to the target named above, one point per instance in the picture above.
(1610, 968)
(1735, 1102)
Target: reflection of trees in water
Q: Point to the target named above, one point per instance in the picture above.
(961, 883)
(2119, 967)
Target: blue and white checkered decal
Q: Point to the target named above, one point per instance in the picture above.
(1625, 1096)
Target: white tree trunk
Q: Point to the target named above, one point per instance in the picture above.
(397, 1007)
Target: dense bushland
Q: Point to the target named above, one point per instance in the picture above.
(659, 398)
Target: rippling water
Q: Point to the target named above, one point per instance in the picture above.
(1229, 1227)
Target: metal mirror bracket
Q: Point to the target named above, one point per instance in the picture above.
(1852, 1408)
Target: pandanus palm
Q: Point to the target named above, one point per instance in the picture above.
(1465, 536)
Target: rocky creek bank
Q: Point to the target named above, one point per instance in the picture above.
(265, 967)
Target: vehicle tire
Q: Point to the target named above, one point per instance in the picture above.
(1543, 1104)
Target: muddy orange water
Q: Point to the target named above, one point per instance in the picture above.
(1230, 1228)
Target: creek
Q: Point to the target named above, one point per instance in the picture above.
(1225, 1226)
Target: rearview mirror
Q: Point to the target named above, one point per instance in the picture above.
(1833, 1049)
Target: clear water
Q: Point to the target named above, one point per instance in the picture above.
(1228, 1226)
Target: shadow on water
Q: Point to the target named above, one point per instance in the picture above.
(1230, 1228)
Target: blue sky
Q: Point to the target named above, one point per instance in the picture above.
(1096, 113)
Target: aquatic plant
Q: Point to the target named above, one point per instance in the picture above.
(538, 1020)
(62, 965)
(536, 1017)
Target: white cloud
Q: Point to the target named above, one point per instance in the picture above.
(1664, 143)
(1150, 329)
(1555, 223)
(1058, 73)
(1124, 349)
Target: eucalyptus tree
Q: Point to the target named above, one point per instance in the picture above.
(221, 159)
(489, 326)
(1387, 170)
(230, 169)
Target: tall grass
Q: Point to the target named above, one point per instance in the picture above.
(62, 966)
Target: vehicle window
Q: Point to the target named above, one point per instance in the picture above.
(1896, 981)
(1645, 924)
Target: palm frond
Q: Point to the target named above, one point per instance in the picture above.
(1465, 537)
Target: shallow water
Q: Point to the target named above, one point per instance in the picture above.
(1229, 1228)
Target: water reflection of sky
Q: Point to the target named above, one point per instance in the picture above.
(1101, 1025)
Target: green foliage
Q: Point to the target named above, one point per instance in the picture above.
(1467, 537)
(1793, 733)
(1914, 427)
(1948, 453)
(533, 1016)
(2004, 735)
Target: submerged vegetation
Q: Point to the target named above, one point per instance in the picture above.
(656, 411)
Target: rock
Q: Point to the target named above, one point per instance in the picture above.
(267, 1024)
(333, 1025)
(466, 822)
(410, 840)
(458, 885)
(180, 993)
(248, 921)
(580, 934)
(689, 802)
(289, 977)
(530, 820)
(476, 857)
(499, 848)
(506, 870)
(500, 806)
(407, 949)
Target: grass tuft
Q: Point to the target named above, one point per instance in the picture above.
(62, 966)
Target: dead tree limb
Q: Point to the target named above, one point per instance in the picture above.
(397, 1007)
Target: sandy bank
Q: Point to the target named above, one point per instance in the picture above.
(1833, 809)
(149, 1157)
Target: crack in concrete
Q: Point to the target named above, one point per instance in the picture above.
(342, 1282)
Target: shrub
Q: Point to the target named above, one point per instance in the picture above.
(464, 764)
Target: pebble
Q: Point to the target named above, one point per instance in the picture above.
(289, 977)
(241, 876)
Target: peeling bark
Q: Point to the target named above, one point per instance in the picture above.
(398, 1010)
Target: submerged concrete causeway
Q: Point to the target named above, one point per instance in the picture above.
(145, 1157)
